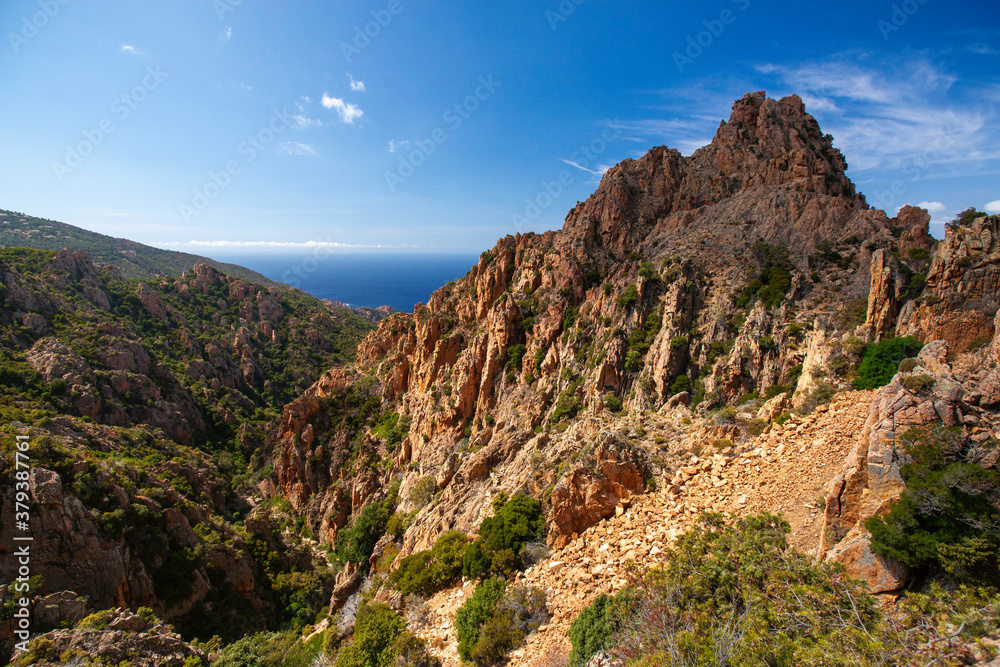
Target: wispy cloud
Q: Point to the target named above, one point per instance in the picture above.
(600, 171)
(993, 207)
(940, 213)
(302, 118)
(400, 145)
(226, 35)
(295, 148)
(128, 49)
(890, 115)
(356, 86)
(347, 112)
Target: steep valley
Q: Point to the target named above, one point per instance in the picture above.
(734, 332)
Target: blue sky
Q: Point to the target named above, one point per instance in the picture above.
(230, 126)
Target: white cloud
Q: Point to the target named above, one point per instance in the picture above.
(347, 112)
(401, 145)
(132, 51)
(933, 206)
(295, 148)
(356, 86)
(993, 207)
(302, 119)
(895, 115)
(226, 35)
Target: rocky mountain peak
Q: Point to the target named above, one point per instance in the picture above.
(767, 146)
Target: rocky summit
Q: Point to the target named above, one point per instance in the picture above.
(731, 341)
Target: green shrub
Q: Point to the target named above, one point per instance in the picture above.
(774, 390)
(427, 572)
(475, 612)
(423, 491)
(907, 365)
(628, 298)
(732, 593)
(756, 426)
(514, 356)
(496, 619)
(946, 517)
(773, 280)
(498, 549)
(678, 342)
(881, 361)
(596, 626)
(917, 383)
(356, 544)
(613, 403)
(680, 383)
(375, 633)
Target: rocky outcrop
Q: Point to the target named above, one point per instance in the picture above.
(963, 288)
(593, 488)
(872, 478)
(112, 638)
(882, 308)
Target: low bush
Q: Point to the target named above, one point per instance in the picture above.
(496, 620)
(628, 298)
(427, 572)
(595, 628)
(880, 362)
(502, 537)
(947, 517)
(731, 593)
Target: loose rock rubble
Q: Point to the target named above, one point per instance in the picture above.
(783, 470)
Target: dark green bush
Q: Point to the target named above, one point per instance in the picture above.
(427, 572)
(596, 626)
(515, 354)
(880, 362)
(475, 612)
(375, 633)
(423, 491)
(356, 544)
(947, 516)
(502, 537)
(773, 279)
(680, 383)
(613, 403)
(628, 298)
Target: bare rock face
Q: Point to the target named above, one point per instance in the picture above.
(593, 489)
(963, 288)
(871, 478)
(882, 298)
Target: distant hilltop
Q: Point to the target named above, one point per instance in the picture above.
(134, 260)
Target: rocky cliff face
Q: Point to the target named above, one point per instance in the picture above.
(680, 277)
(963, 288)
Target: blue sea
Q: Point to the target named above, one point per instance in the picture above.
(397, 280)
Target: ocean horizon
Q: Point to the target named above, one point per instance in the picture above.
(399, 280)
